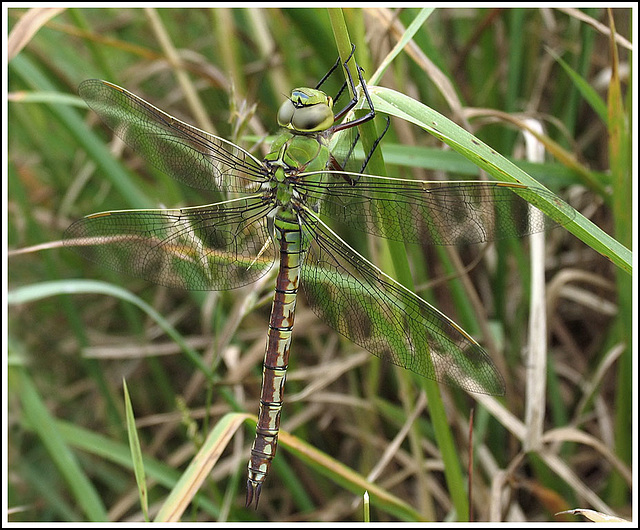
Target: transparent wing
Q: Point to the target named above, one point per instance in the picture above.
(214, 247)
(443, 213)
(180, 150)
(374, 311)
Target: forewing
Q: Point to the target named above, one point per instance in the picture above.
(443, 213)
(214, 247)
(374, 311)
(180, 150)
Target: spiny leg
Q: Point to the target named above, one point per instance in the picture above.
(341, 164)
(375, 145)
(344, 85)
(354, 100)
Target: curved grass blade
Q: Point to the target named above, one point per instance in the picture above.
(404, 107)
(348, 478)
(136, 453)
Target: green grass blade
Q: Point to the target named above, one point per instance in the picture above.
(44, 425)
(404, 107)
(35, 292)
(136, 453)
(588, 92)
(415, 25)
(347, 478)
(619, 120)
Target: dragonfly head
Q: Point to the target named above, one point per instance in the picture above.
(307, 111)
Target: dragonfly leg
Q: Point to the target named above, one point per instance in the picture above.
(373, 147)
(338, 165)
(339, 115)
(344, 85)
(328, 74)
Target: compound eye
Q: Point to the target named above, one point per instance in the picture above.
(313, 119)
(286, 112)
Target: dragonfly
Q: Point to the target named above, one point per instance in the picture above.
(277, 210)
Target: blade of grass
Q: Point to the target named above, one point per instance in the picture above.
(37, 291)
(620, 160)
(367, 507)
(415, 25)
(136, 453)
(44, 425)
(397, 255)
(404, 107)
(199, 468)
(588, 92)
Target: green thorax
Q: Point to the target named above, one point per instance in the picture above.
(302, 146)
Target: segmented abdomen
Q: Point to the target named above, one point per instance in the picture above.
(276, 357)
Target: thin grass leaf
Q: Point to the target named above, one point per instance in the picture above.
(199, 468)
(347, 478)
(366, 507)
(621, 169)
(415, 25)
(136, 453)
(44, 425)
(588, 92)
(402, 106)
(596, 517)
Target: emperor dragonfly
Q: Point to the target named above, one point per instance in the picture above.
(278, 211)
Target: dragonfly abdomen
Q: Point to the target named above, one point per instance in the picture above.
(276, 357)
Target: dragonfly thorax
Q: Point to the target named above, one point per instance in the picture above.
(292, 157)
(296, 153)
(308, 110)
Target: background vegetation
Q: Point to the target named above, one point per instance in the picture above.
(192, 361)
